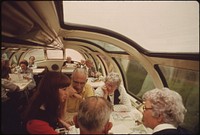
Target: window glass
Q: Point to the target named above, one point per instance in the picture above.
(54, 54)
(37, 53)
(9, 53)
(107, 46)
(16, 58)
(172, 22)
(185, 82)
(75, 55)
(137, 79)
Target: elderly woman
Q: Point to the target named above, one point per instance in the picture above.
(163, 111)
(115, 92)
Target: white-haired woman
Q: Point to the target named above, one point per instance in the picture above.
(163, 111)
(115, 92)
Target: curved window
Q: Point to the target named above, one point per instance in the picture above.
(185, 82)
(54, 54)
(37, 53)
(137, 79)
(173, 23)
(75, 55)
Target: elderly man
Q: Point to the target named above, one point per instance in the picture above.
(93, 116)
(82, 90)
(79, 91)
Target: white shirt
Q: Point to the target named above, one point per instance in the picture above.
(124, 103)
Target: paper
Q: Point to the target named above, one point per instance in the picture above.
(120, 129)
(121, 116)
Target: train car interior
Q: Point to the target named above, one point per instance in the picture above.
(148, 48)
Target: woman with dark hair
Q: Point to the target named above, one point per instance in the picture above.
(43, 115)
(27, 74)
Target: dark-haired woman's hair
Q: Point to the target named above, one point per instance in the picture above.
(47, 95)
(25, 62)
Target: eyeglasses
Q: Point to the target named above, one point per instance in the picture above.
(145, 108)
(81, 83)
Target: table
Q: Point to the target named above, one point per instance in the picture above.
(67, 70)
(123, 123)
(23, 84)
(37, 71)
(94, 82)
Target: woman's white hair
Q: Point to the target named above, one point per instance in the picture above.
(168, 103)
(113, 78)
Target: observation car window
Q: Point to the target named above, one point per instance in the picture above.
(9, 53)
(37, 53)
(185, 82)
(108, 64)
(54, 54)
(16, 58)
(137, 79)
(107, 46)
(75, 55)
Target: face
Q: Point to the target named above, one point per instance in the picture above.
(63, 94)
(23, 66)
(111, 87)
(69, 59)
(78, 82)
(148, 120)
(32, 59)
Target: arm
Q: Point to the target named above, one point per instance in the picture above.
(65, 124)
(73, 93)
(101, 92)
(39, 127)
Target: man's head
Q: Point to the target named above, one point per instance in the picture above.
(93, 115)
(89, 63)
(79, 79)
(69, 59)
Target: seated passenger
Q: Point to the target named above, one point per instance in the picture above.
(43, 115)
(69, 61)
(6, 87)
(164, 112)
(31, 63)
(27, 73)
(81, 64)
(5, 69)
(93, 116)
(90, 68)
(115, 92)
(82, 90)
(10, 120)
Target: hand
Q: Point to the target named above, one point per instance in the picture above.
(70, 122)
(65, 124)
(76, 95)
(105, 90)
(26, 77)
(71, 91)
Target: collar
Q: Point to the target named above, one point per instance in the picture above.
(163, 126)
